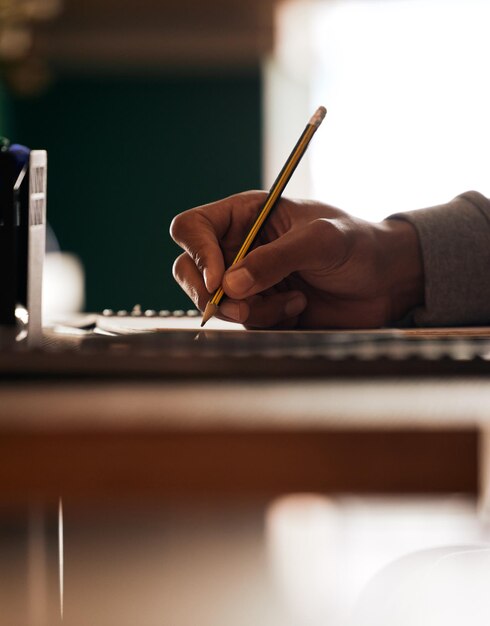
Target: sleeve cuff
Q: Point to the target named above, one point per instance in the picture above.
(455, 243)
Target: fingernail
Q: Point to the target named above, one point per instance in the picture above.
(295, 306)
(208, 280)
(231, 310)
(239, 281)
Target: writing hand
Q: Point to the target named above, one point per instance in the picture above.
(313, 265)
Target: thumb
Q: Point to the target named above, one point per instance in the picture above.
(319, 245)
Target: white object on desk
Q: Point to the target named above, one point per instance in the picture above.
(64, 285)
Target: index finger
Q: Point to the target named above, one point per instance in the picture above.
(199, 231)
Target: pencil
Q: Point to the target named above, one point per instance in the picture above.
(270, 202)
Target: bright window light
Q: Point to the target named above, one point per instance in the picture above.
(407, 88)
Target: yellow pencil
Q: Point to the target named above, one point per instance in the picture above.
(271, 200)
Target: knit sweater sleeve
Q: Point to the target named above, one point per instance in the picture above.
(455, 244)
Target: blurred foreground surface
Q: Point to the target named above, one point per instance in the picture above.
(302, 559)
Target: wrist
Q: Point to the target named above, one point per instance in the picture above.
(402, 265)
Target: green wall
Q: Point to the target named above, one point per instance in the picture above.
(128, 153)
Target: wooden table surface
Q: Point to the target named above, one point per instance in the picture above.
(89, 439)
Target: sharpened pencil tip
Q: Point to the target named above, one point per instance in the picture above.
(209, 312)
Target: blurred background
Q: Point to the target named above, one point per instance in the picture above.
(150, 107)
(146, 109)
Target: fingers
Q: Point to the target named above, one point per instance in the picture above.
(280, 309)
(191, 280)
(197, 236)
(199, 231)
(317, 246)
(258, 312)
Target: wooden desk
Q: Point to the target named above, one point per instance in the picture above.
(89, 439)
(238, 414)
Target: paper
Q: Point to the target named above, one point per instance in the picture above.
(127, 325)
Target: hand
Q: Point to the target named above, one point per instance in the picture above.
(313, 265)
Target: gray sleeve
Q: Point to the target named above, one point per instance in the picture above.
(455, 243)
